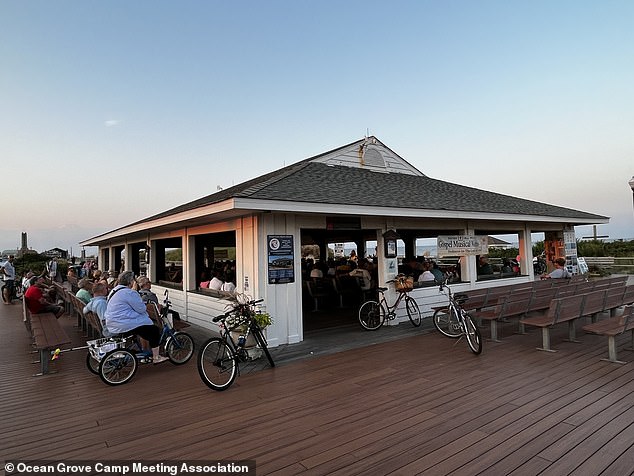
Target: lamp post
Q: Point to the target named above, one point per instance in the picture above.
(631, 182)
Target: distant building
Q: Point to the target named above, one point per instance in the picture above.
(56, 253)
(5, 254)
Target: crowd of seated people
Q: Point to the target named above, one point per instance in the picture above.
(350, 277)
(425, 271)
(508, 268)
(221, 277)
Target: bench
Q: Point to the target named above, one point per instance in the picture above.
(613, 327)
(47, 335)
(514, 305)
(628, 295)
(539, 302)
(567, 309)
(77, 309)
(95, 327)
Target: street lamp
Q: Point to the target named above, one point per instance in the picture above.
(631, 182)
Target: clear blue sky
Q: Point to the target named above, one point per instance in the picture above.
(113, 111)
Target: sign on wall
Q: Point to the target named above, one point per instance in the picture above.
(462, 245)
(281, 259)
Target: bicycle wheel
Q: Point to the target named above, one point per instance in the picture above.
(261, 340)
(117, 367)
(446, 321)
(180, 348)
(217, 364)
(92, 364)
(17, 292)
(474, 339)
(413, 312)
(371, 315)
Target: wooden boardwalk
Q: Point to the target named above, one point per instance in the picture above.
(416, 405)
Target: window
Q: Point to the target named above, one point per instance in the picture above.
(169, 262)
(215, 256)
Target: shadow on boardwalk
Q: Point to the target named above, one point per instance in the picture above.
(416, 404)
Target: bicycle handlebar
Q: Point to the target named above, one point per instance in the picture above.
(227, 314)
(220, 317)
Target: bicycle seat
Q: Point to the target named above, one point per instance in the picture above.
(460, 298)
(381, 289)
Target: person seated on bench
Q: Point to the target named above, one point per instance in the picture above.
(98, 305)
(36, 301)
(229, 285)
(85, 290)
(147, 295)
(438, 274)
(126, 314)
(216, 283)
(559, 272)
(362, 273)
(484, 267)
(426, 275)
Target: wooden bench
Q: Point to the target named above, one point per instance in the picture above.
(594, 304)
(95, 328)
(567, 309)
(514, 305)
(539, 302)
(47, 335)
(77, 309)
(612, 328)
(628, 295)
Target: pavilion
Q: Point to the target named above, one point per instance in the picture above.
(362, 193)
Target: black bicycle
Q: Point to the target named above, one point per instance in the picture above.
(219, 358)
(15, 290)
(453, 321)
(372, 314)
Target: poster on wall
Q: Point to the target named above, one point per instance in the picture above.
(281, 259)
(570, 250)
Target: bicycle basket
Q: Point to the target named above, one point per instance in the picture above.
(238, 319)
(100, 347)
(403, 283)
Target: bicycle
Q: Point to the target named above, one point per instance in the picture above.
(16, 290)
(219, 358)
(372, 314)
(453, 321)
(115, 359)
(539, 265)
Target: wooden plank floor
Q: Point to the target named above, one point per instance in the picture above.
(416, 405)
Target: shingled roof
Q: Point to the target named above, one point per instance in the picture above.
(315, 181)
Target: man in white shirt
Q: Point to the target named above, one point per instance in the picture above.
(363, 274)
(9, 281)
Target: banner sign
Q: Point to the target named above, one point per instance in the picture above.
(281, 259)
(462, 245)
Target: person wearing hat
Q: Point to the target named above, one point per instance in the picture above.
(126, 313)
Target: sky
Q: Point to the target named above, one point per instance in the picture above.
(113, 111)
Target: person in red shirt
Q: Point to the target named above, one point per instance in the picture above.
(36, 300)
